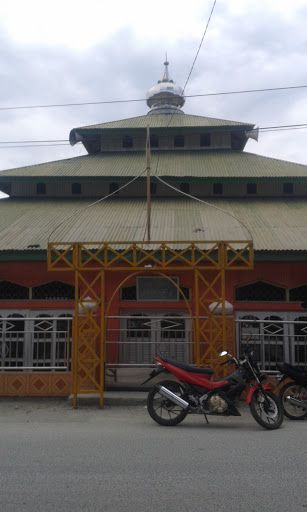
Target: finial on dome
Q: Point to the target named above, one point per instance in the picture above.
(166, 73)
(165, 97)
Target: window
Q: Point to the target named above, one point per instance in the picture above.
(12, 340)
(217, 188)
(154, 141)
(205, 140)
(113, 188)
(298, 294)
(42, 341)
(137, 327)
(186, 292)
(273, 331)
(185, 187)
(127, 141)
(260, 292)
(157, 288)
(300, 342)
(51, 341)
(129, 293)
(267, 339)
(288, 188)
(153, 188)
(250, 327)
(172, 329)
(54, 290)
(251, 188)
(76, 188)
(13, 291)
(41, 188)
(179, 141)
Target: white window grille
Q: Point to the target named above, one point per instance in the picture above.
(41, 342)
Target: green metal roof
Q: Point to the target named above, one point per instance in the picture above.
(204, 165)
(275, 225)
(163, 121)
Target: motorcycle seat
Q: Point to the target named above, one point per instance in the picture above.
(292, 371)
(187, 367)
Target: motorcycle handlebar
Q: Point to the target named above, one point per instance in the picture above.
(231, 360)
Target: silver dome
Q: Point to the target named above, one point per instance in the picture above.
(165, 96)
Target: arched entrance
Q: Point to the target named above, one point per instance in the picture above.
(157, 318)
(206, 261)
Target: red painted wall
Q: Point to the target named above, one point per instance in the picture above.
(34, 273)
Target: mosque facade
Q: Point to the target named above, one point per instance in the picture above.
(196, 240)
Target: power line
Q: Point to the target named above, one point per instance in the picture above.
(200, 45)
(32, 146)
(31, 141)
(244, 91)
(110, 102)
(206, 203)
(192, 67)
(80, 210)
(285, 126)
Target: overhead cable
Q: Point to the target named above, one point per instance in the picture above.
(192, 67)
(206, 203)
(95, 202)
(200, 45)
(110, 102)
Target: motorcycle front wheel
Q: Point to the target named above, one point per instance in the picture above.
(266, 409)
(293, 412)
(161, 409)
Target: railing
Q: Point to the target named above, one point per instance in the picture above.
(42, 343)
(274, 341)
(133, 341)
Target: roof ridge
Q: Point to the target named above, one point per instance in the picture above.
(155, 116)
(273, 158)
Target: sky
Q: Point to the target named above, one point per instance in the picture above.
(97, 51)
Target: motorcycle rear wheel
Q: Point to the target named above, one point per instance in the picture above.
(266, 409)
(161, 409)
(292, 411)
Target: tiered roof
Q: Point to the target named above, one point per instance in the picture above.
(278, 225)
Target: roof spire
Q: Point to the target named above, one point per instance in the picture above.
(165, 97)
(166, 73)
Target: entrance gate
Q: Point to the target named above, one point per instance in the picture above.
(208, 261)
(142, 335)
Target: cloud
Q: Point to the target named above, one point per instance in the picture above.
(117, 53)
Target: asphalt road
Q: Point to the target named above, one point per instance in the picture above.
(55, 458)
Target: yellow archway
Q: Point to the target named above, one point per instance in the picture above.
(208, 261)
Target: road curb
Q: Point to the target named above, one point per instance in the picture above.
(112, 398)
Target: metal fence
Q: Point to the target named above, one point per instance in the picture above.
(44, 342)
(40, 343)
(274, 340)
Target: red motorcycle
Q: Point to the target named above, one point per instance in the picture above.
(169, 402)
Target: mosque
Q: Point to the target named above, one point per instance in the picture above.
(166, 237)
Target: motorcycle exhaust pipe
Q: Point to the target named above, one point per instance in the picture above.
(172, 397)
(297, 402)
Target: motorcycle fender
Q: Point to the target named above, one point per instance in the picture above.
(250, 392)
(281, 379)
(154, 373)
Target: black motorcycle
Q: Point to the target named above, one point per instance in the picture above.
(293, 395)
(194, 392)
